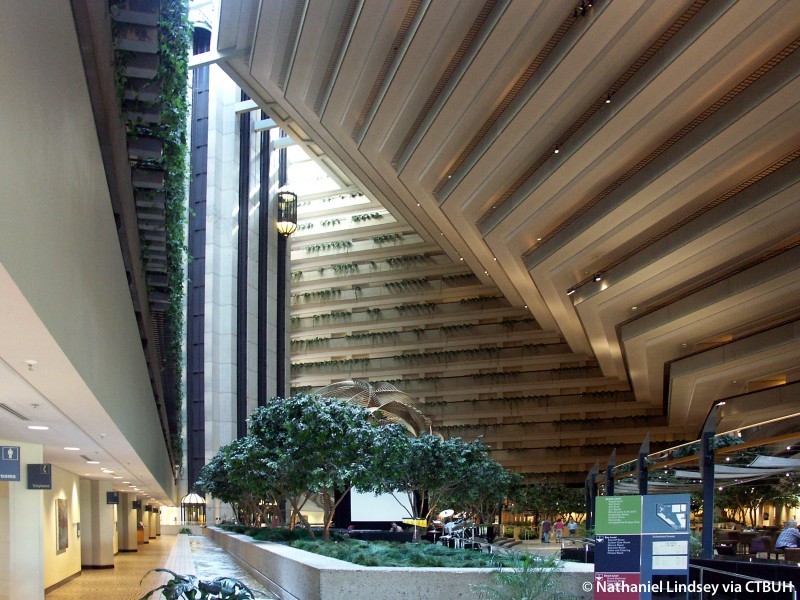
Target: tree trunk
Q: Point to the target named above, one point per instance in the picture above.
(306, 524)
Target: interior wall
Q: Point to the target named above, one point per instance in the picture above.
(58, 237)
(58, 567)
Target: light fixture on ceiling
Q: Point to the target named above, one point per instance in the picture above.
(287, 212)
(460, 258)
(92, 462)
(570, 291)
(31, 364)
(608, 99)
(634, 308)
(598, 277)
(72, 448)
(557, 150)
(117, 476)
(38, 427)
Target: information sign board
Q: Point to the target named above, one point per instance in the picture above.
(642, 547)
(40, 477)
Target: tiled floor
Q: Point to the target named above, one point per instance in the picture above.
(122, 582)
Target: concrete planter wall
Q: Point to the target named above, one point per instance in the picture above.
(298, 575)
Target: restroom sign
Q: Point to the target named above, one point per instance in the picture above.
(9, 463)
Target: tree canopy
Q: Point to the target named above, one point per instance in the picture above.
(310, 447)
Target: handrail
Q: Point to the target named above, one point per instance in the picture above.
(769, 583)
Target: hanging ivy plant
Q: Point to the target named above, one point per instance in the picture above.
(366, 217)
(338, 245)
(387, 237)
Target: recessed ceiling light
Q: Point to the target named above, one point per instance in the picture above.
(556, 151)
(38, 427)
(634, 308)
(117, 476)
(126, 482)
(538, 239)
(71, 448)
(109, 471)
(92, 462)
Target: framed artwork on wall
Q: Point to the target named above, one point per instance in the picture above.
(62, 526)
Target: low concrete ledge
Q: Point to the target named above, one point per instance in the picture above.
(298, 575)
(176, 529)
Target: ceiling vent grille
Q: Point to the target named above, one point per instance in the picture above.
(11, 411)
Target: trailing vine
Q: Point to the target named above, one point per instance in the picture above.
(406, 260)
(338, 245)
(387, 237)
(174, 44)
(406, 284)
(366, 217)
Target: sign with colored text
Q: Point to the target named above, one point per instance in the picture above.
(40, 477)
(642, 547)
(9, 463)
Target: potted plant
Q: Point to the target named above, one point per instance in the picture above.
(190, 587)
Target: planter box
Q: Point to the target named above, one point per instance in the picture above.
(294, 574)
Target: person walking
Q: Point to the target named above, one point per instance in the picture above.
(572, 526)
(546, 526)
(559, 529)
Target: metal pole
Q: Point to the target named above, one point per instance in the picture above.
(610, 464)
(707, 472)
(641, 465)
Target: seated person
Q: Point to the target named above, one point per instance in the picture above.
(789, 537)
(395, 527)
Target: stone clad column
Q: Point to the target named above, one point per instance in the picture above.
(144, 519)
(97, 525)
(126, 523)
(21, 535)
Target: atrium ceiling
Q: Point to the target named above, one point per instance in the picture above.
(627, 172)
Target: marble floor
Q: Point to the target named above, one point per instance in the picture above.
(187, 555)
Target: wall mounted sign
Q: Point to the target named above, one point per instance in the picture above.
(642, 547)
(137, 504)
(9, 463)
(40, 477)
(112, 497)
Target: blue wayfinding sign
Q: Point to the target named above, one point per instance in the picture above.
(40, 477)
(9, 463)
